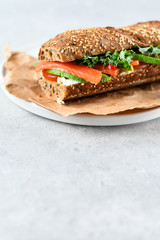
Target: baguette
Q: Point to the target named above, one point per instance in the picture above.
(74, 44)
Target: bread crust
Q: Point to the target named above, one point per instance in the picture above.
(74, 44)
(151, 73)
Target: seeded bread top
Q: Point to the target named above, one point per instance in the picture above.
(74, 44)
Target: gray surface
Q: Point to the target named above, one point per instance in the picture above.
(64, 182)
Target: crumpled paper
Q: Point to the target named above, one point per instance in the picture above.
(21, 81)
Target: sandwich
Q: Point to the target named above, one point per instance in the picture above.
(84, 62)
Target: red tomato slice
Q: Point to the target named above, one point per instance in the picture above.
(89, 74)
(49, 76)
(159, 55)
(109, 69)
(135, 62)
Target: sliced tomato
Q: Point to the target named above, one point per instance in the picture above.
(49, 76)
(109, 69)
(135, 62)
(159, 55)
(89, 74)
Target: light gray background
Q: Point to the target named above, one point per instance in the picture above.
(66, 182)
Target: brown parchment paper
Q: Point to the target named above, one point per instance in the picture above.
(21, 81)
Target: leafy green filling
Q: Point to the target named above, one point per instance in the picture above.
(119, 59)
(150, 50)
(122, 59)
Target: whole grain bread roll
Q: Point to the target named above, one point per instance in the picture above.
(74, 44)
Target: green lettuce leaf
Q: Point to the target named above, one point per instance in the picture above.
(150, 50)
(120, 59)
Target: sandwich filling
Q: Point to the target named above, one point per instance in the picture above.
(100, 68)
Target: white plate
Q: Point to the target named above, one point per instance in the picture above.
(90, 120)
